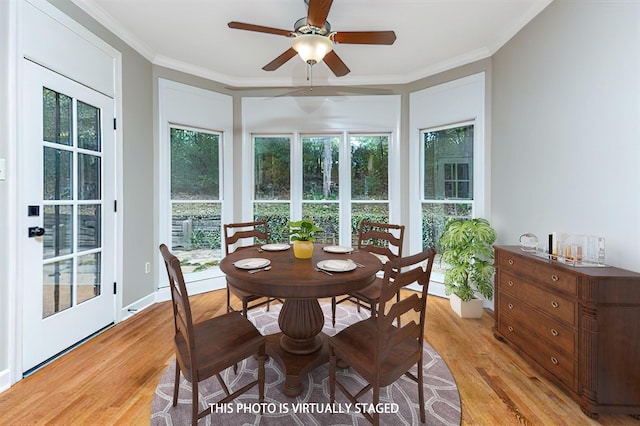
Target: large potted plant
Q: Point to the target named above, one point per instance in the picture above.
(302, 233)
(467, 250)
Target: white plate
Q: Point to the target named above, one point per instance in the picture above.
(252, 263)
(337, 265)
(275, 247)
(338, 249)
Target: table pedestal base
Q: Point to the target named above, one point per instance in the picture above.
(296, 366)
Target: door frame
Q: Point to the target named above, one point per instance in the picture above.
(16, 217)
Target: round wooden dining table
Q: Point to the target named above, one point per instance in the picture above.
(300, 346)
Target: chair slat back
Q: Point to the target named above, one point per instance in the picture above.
(399, 273)
(182, 319)
(384, 239)
(235, 232)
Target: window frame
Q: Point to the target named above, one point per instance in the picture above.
(344, 201)
(195, 276)
(451, 104)
(444, 200)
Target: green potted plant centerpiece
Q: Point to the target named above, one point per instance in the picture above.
(467, 250)
(302, 234)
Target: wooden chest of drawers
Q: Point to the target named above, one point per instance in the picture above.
(579, 327)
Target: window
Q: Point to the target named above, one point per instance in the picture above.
(369, 180)
(320, 184)
(447, 178)
(195, 198)
(272, 183)
(321, 181)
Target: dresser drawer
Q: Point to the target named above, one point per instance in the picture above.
(558, 364)
(560, 336)
(540, 270)
(551, 303)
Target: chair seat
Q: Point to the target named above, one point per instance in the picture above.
(243, 294)
(220, 342)
(370, 292)
(358, 342)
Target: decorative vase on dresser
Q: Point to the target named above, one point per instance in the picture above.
(578, 326)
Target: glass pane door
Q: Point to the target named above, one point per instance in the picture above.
(68, 150)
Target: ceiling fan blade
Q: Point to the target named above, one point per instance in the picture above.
(365, 37)
(318, 12)
(335, 64)
(259, 29)
(280, 60)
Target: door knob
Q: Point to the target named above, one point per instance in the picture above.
(36, 231)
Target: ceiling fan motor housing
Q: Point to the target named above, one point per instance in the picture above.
(302, 27)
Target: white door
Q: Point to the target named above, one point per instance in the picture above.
(67, 169)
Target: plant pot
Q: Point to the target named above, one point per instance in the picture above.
(470, 309)
(303, 249)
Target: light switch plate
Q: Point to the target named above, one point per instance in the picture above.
(3, 167)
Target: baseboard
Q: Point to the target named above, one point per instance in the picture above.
(137, 306)
(163, 294)
(5, 380)
(437, 289)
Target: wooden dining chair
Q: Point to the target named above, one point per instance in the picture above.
(234, 234)
(384, 240)
(207, 348)
(375, 348)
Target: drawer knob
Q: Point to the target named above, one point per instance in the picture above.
(554, 304)
(510, 283)
(554, 360)
(510, 261)
(554, 332)
(554, 277)
(510, 305)
(510, 328)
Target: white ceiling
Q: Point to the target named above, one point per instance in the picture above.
(432, 36)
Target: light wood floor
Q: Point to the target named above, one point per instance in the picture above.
(111, 378)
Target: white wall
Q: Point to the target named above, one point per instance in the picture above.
(566, 127)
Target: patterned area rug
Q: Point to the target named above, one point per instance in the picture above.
(400, 400)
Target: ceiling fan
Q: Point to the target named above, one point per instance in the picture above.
(313, 39)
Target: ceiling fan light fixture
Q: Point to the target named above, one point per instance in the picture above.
(312, 47)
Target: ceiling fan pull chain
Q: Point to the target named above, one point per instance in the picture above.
(310, 76)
